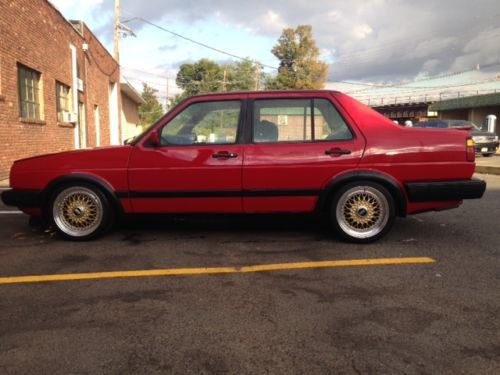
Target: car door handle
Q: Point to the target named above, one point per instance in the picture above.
(224, 155)
(337, 151)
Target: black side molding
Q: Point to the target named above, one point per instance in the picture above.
(445, 190)
(220, 193)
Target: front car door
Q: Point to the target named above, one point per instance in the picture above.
(297, 146)
(197, 165)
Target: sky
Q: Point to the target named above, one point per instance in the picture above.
(363, 41)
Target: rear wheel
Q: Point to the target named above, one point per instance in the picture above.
(486, 155)
(362, 212)
(80, 212)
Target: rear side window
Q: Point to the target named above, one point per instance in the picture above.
(298, 120)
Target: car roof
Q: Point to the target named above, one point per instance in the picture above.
(263, 92)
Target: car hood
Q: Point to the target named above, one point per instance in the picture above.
(101, 158)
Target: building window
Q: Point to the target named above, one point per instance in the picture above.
(29, 93)
(64, 102)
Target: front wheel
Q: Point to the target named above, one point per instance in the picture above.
(362, 212)
(80, 212)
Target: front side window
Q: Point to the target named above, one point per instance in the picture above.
(203, 123)
(298, 120)
(63, 99)
(29, 93)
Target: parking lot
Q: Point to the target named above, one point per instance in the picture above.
(197, 295)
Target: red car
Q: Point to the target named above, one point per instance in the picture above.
(256, 152)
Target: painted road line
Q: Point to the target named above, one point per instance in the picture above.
(214, 270)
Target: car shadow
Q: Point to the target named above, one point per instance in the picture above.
(301, 223)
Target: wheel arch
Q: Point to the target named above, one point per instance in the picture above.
(386, 181)
(72, 179)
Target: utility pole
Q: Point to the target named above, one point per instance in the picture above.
(166, 100)
(224, 81)
(117, 31)
(257, 76)
(118, 120)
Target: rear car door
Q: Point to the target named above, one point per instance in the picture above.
(296, 146)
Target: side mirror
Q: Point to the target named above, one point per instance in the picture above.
(154, 139)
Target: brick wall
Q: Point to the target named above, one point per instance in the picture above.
(35, 34)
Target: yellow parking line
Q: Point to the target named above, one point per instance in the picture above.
(214, 270)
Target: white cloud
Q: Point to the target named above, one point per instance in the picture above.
(370, 39)
(362, 31)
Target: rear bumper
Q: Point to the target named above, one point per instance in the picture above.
(489, 146)
(443, 191)
(22, 198)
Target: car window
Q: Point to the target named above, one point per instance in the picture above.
(203, 123)
(297, 120)
(328, 123)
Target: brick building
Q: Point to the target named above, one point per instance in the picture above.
(59, 86)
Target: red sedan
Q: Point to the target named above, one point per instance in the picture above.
(256, 152)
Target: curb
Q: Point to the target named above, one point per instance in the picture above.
(487, 169)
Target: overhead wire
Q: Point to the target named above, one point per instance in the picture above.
(200, 43)
(368, 86)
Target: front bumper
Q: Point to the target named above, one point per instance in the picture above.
(22, 198)
(443, 191)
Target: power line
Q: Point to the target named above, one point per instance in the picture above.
(369, 86)
(199, 43)
(148, 73)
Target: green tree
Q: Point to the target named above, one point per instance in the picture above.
(207, 76)
(300, 67)
(200, 77)
(151, 110)
(241, 75)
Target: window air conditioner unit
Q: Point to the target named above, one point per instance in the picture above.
(69, 117)
(80, 85)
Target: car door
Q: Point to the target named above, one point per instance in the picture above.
(297, 145)
(196, 165)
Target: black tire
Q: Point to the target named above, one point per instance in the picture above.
(80, 211)
(487, 155)
(362, 212)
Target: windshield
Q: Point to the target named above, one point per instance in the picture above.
(132, 141)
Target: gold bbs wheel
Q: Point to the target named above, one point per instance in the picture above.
(362, 212)
(78, 211)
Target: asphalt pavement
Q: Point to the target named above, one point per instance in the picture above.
(419, 318)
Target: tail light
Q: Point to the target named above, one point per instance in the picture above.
(471, 154)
